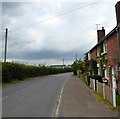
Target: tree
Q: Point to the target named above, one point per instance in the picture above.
(78, 65)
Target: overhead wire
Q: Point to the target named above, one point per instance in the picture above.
(53, 17)
(50, 18)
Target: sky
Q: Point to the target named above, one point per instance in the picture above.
(42, 32)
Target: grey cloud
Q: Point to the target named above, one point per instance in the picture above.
(10, 5)
(75, 33)
(46, 54)
(11, 9)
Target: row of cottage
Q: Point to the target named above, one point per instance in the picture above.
(106, 53)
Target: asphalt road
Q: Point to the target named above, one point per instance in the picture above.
(33, 98)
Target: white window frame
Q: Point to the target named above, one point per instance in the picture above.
(106, 73)
(105, 47)
(98, 69)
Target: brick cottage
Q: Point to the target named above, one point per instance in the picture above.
(106, 53)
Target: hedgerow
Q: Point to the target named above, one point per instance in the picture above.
(14, 71)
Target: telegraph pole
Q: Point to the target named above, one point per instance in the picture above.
(63, 61)
(6, 36)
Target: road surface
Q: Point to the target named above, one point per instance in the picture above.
(33, 98)
(61, 95)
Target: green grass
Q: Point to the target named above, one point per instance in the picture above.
(118, 102)
(82, 77)
(18, 81)
(100, 99)
(103, 101)
(10, 83)
(15, 82)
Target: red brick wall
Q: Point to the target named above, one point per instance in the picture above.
(112, 51)
(93, 54)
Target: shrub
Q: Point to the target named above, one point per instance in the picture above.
(6, 75)
(15, 71)
(96, 77)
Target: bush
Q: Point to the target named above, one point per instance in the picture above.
(118, 100)
(14, 71)
(96, 77)
(6, 75)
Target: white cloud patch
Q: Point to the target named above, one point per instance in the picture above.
(36, 40)
(56, 22)
(54, 30)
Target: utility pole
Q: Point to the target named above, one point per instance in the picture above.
(6, 36)
(63, 61)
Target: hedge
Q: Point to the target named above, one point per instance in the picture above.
(15, 71)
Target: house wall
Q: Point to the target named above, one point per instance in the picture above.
(112, 57)
(93, 54)
(112, 51)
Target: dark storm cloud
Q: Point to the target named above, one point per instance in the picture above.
(12, 9)
(47, 54)
(10, 5)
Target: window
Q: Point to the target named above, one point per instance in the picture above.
(106, 73)
(98, 69)
(105, 47)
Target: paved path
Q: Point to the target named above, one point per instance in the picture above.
(78, 101)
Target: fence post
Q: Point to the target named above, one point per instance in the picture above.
(94, 84)
(114, 92)
(97, 84)
(104, 90)
(114, 87)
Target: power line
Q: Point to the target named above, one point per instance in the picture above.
(53, 17)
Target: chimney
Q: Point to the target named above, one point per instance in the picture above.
(117, 6)
(100, 34)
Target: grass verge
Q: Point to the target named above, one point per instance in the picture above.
(100, 99)
(118, 102)
(82, 77)
(15, 82)
(103, 101)
(10, 83)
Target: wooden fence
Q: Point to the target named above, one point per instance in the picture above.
(103, 90)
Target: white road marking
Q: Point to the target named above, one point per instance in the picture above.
(19, 91)
(4, 97)
(59, 100)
